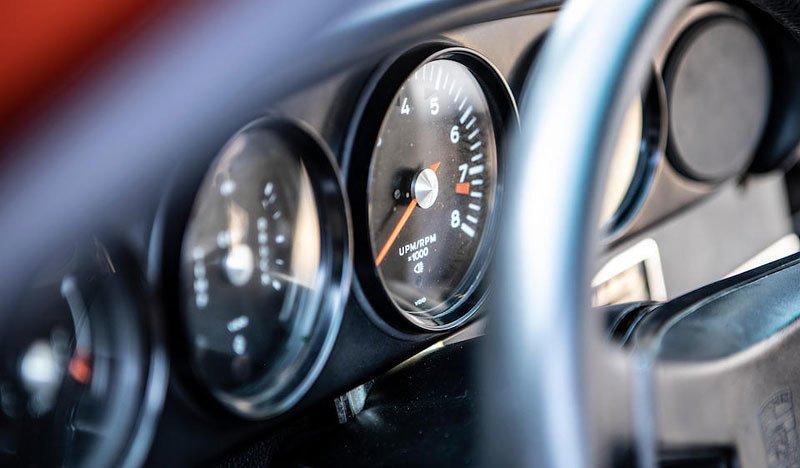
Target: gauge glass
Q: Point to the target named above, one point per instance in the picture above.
(432, 189)
(251, 269)
(624, 162)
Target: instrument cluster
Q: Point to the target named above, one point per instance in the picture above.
(289, 265)
(265, 259)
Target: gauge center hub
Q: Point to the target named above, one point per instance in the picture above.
(239, 264)
(426, 188)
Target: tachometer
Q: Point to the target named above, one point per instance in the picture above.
(432, 187)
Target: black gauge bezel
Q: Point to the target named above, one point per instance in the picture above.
(333, 277)
(651, 153)
(130, 284)
(359, 147)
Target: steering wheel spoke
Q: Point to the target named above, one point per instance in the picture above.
(723, 366)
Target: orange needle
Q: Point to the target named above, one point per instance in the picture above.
(80, 367)
(395, 232)
(400, 224)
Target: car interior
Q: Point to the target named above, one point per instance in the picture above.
(400, 233)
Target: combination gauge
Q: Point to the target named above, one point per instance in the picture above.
(262, 253)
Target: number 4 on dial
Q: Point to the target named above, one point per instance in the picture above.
(405, 109)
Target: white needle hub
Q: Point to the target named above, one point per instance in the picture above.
(426, 188)
(239, 264)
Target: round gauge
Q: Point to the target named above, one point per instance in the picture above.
(255, 266)
(719, 90)
(77, 367)
(432, 187)
(624, 161)
(637, 148)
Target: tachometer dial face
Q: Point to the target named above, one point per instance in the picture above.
(431, 190)
(252, 272)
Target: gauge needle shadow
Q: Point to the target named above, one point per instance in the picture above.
(396, 231)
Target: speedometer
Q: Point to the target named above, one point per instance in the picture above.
(262, 264)
(432, 188)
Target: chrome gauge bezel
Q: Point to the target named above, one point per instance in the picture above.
(358, 154)
(267, 399)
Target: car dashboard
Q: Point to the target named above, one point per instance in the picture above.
(302, 291)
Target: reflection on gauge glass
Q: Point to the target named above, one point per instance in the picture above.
(74, 364)
(431, 191)
(624, 162)
(251, 272)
